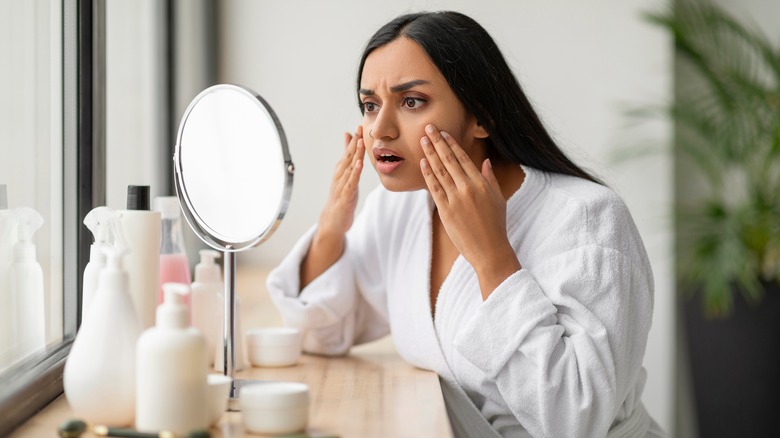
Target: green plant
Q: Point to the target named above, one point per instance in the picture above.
(727, 123)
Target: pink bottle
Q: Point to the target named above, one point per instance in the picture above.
(174, 266)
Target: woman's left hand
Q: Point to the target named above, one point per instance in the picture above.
(471, 207)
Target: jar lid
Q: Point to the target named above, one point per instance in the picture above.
(273, 337)
(273, 395)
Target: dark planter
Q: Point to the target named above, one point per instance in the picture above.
(735, 368)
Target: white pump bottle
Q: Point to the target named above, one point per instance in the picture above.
(99, 376)
(26, 284)
(206, 305)
(172, 370)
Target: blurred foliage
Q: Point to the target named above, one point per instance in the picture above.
(728, 123)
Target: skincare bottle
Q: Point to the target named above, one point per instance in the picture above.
(174, 266)
(7, 306)
(27, 284)
(142, 229)
(206, 306)
(99, 376)
(172, 370)
(104, 224)
(239, 342)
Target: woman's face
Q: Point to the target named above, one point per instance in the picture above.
(402, 91)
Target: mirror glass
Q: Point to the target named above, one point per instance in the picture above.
(233, 171)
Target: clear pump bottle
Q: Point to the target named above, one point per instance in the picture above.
(174, 266)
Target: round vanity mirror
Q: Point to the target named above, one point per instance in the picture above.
(233, 171)
(233, 177)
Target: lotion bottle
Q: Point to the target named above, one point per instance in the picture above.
(174, 266)
(26, 283)
(104, 224)
(206, 306)
(172, 370)
(7, 306)
(142, 229)
(99, 376)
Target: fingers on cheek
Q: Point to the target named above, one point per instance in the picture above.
(430, 177)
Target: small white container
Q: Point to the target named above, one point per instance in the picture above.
(275, 407)
(274, 347)
(218, 394)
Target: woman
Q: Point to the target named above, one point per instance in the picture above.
(491, 258)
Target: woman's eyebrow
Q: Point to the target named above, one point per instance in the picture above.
(396, 88)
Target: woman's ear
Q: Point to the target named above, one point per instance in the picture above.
(477, 130)
(480, 131)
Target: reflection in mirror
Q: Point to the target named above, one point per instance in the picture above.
(233, 176)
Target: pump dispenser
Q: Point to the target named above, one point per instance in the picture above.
(174, 266)
(172, 370)
(106, 229)
(143, 230)
(206, 306)
(99, 376)
(7, 307)
(26, 284)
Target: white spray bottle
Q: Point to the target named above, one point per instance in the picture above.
(99, 376)
(206, 305)
(26, 281)
(103, 222)
(7, 306)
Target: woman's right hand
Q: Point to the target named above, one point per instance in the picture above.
(339, 212)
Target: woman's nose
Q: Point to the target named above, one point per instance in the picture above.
(385, 126)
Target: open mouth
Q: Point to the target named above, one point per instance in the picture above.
(388, 158)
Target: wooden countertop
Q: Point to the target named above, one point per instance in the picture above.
(371, 392)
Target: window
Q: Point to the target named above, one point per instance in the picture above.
(46, 167)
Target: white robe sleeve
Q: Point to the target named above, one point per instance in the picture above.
(570, 341)
(345, 305)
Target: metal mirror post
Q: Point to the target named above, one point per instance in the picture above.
(233, 176)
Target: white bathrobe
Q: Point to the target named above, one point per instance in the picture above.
(555, 351)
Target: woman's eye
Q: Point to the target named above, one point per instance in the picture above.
(369, 107)
(413, 102)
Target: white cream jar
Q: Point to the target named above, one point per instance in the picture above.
(273, 347)
(275, 407)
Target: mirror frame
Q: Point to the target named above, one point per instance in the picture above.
(197, 224)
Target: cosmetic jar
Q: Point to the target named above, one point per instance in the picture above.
(273, 347)
(218, 393)
(275, 407)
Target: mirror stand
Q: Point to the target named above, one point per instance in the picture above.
(229, 329)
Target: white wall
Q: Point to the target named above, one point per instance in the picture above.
(136, 99)
(578, 61)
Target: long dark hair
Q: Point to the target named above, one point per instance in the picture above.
(480, 77)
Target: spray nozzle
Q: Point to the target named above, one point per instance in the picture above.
(105, 225)
(28, 221)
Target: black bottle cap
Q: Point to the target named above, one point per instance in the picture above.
(138, 197)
